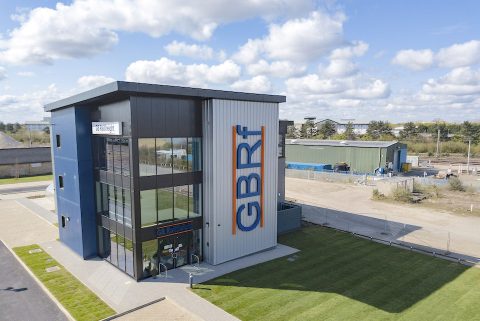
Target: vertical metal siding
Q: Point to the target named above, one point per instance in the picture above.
(219, 117)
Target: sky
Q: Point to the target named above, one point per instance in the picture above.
(363, 60)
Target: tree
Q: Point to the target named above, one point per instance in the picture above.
(409, 131)
(470, 131)
(9, 128)
(308, 129)
(377, 129)
(2, 127)
(350, 132)
(46, 130)
(327, 129)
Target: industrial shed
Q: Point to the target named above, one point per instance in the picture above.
(361, 156)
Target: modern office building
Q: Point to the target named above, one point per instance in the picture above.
(150, 177)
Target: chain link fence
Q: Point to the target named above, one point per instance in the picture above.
(453, 245)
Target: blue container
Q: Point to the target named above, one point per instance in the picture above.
(309, 166)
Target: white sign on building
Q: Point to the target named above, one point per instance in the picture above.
(106, 128)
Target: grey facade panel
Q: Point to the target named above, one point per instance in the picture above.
(220, 117)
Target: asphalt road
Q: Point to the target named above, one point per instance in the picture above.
(24, 189)
(21, 298)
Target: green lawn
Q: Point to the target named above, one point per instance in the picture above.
(337, 276)
(82, 303)
(26, 179)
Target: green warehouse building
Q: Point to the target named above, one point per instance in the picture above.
(361, 156)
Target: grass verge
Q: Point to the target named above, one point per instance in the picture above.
(80, 302)
(26, 179)
(337, 276)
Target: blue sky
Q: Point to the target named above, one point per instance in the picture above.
(366, 60)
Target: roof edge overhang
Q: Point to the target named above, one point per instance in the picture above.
(124, 88)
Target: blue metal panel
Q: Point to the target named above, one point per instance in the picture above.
(73, 161)
(403, 156)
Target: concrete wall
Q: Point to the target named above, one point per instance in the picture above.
(289, 218)
(220, 242)
(20, 170)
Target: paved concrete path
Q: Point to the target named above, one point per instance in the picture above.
(21, 298)
(20, 226)
(39, 210)
(122, 293)
(168, 310)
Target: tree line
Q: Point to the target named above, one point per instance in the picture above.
(383, 130)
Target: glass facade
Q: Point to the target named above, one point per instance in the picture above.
(116, 249)
(114, 202)
(163, 205)
(162, 156)
(112, 155)
(158, 206)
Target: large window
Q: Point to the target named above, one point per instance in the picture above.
(164, 156)
(150, 258)
(165, 204)
(112, 154)
(180, 210)
(195, 200)
(146, 156)
(117, 249)
(114, 202)
(161, 156)
(171, 203)
(148, 204)
(179, 157)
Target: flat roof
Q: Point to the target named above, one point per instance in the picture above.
(341, 143)
(124, 88)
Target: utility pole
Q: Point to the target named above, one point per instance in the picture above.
(468, 155)
(438, 142)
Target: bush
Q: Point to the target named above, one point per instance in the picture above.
(376, 195)
(455, 184)
(400, 194)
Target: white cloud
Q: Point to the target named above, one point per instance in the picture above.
(167, 71)
(29, 106)
(374, 89)
(258, 84)
(414, 59)
(281, 69)
(340, 68)
(340, 65)
(300, 39)
(459, 55)
(93, 81)
(88, 27)
(460, 81)
(3, 73)
(357, 49)
(26, 73)
(249, 52)
(201, 52)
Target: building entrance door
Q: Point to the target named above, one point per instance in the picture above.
(173, 250)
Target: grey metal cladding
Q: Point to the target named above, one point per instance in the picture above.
(122, 88)
(167, 117)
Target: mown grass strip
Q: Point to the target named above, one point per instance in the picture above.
(75, 297)
(338, 276)
(26, 179)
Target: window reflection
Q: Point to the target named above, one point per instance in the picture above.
(146, 156)
(179, 157)
(164, 156)
(148, 207)
(165, 204)
(181, 202)
(150, 258)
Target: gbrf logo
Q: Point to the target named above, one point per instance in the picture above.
(247, 177)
